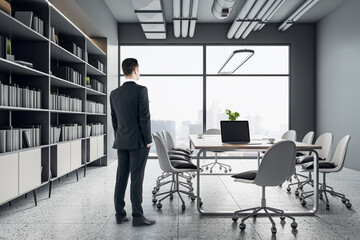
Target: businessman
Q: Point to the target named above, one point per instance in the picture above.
(131, 122)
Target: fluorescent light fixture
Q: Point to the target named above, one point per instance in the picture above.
(242, 15)
(236, 60)
(270, 13)
(146, 4)
(153, 27)
(155, 35)
(176, 14)
(195, 6)
(185, 14)
(297, 14)
(252, 13)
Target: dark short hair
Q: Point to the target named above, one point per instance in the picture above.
(128, 66)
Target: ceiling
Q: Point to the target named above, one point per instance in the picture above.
(123, 11)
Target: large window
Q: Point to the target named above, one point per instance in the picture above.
(174, 76)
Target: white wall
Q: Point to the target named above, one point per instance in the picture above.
(338, 77)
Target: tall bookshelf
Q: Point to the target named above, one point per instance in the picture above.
(24, 170)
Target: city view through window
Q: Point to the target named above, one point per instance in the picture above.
(259, 90)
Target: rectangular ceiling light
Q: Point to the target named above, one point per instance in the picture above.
(146, 4)
(152, 35)
(153, 27)
(236, 60)
(150, 16)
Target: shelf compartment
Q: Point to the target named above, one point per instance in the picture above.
(59, 53)
(23, 109)
(15, 68)
(90, 91)
(62, 83)
(91, 70)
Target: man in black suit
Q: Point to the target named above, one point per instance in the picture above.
(131, 122)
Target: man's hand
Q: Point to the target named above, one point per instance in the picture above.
(148, 145)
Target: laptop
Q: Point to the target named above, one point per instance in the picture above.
(235, 132)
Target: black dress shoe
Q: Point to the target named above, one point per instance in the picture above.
(142, 221)
(121, 218)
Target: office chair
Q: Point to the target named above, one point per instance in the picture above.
(172, 166)
(336, 165)
(308, 139)
(289, 135)
(325, 140)
(214, 131)
(166, 175)
(276, 166)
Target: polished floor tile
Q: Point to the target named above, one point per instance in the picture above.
(84, 209)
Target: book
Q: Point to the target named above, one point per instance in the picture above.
(2, 46)
(26, 17)
(2, 141)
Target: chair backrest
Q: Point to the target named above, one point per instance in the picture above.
(289, 135)
(277, 165)
(325, 140)
(340, 153)
(308, 138)
(169, 143)
(163, 157)
(212, 131)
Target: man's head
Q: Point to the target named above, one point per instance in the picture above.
(130, 68)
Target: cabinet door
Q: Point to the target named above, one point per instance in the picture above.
(29, 170)
(9, 176)
(63, 159)
(75, 155)
(100, 149)
(93, 149)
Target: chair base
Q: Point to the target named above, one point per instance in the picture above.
(159, 184)
(224, 166)
(255, 210)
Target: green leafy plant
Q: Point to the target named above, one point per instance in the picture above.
(232, 115)
(88, 80)
(8, 46)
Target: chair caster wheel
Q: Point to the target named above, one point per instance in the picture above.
(189, 181)
(303, 202)
(171, 197)
(294, 225)
(225, 171)
(210, 171)
(282, 218)
(273, 230)
(320, 196)
(183, 207)
(327, 207)
(192, 198)
(242, 226)
(220, 167)
(154, 200)
(343, 200)
(157, 188)
(280, 185)
(296, 193)
(154, 192)
(207, 168)
(201, 203)
(300, 187)
(288, 189)
(191, 189)
(235, 218)
(230, 169)
(348, 205)
(159, 205)
(194, 175)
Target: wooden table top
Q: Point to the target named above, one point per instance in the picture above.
(214, 142)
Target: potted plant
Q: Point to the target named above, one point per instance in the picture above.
(232, 115)
(8, 50)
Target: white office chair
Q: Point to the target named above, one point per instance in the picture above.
(325, 140)
(175, 167)
(308, 139)
(277, 165)
(289, 135)
(336, 165)
(214, 131)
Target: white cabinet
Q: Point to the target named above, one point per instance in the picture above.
(9, 176)
(63, 159)
(100, 148)
(29, 170)
(75, 150)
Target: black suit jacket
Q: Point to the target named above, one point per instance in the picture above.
(130, 116)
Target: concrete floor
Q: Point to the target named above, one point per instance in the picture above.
(84, 210)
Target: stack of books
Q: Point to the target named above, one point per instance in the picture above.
(73, 48)
(94, 107)
(16, 96)
(67, 73)
(97, 64)
(65, 132)
(13, 139)
(31, 20)
(94, 129)
(96, 85)
(65, 103)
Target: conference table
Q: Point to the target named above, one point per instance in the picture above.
(213, 143)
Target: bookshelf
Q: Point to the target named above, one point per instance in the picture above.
(60, 65)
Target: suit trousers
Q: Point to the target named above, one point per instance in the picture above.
(134, 162)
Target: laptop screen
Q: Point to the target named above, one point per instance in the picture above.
(234, 131)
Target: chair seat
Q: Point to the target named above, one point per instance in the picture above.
(248, 176)
(187, 151)
(322, 165)
(181, 164)
(178, 157)
(306, 159)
